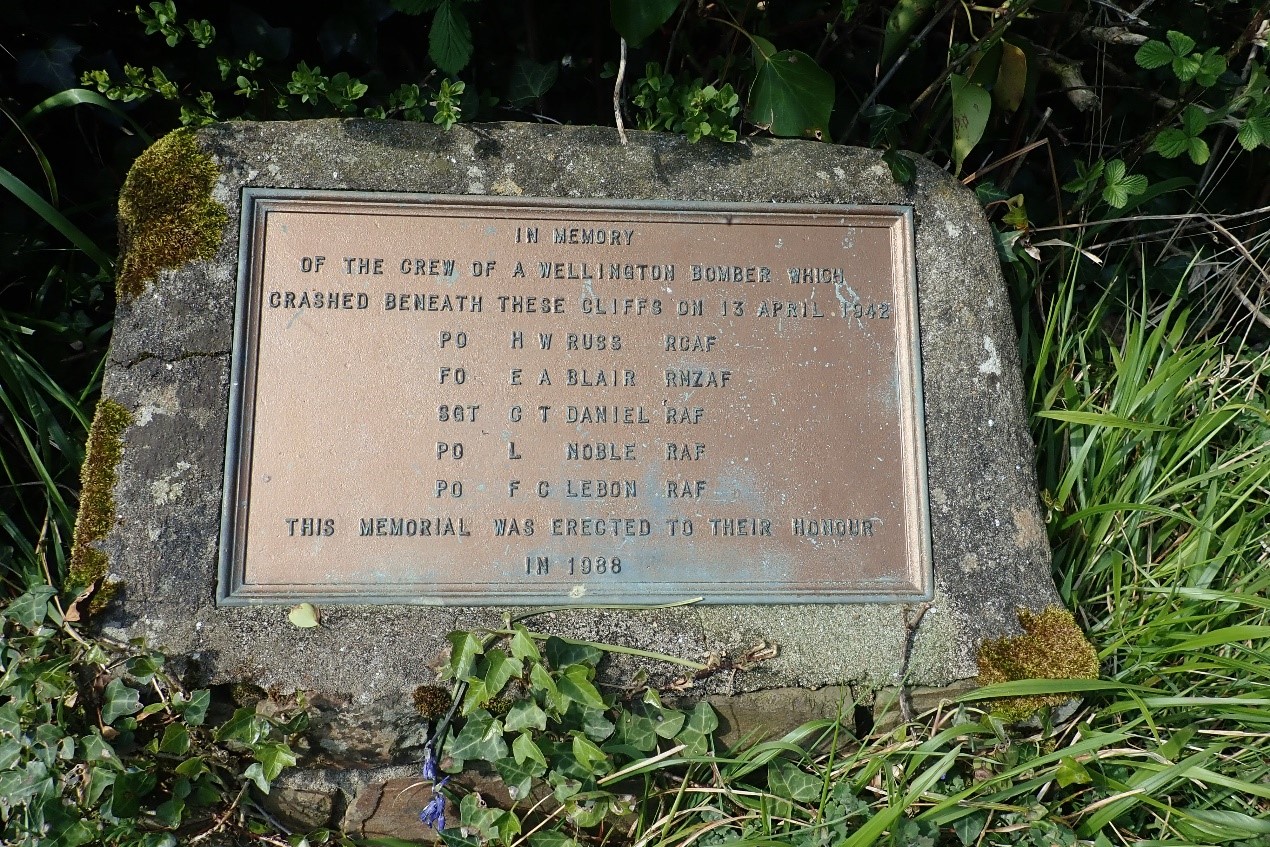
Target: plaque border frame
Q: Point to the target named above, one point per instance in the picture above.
(231, 543)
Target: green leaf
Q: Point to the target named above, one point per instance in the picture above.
(1197, 148)
(499, 670)
(669, 722)
(1011, 83)
(596, 726)
(1194, 120)
(1153, 54)
(304, 616)
(130, 788)
(1171, 143)
(524, 715)
(176, 739)
(518, 776)
(635, 20)
(118, 700)
(589, 756)
(1181, 43)
(785, 779)
(523, 645)
(531, 80)
(464, 648)
(481, 738)
(541, 681)
(193, 710)
(903, 169)
(575, 683)
(31, 608)
(273, 756)
(474, 814)
(971, 107)
(255, 773)
(905, 17)
(1211, 66)
(701, 724)
(1253, 132)
(525, 750)
(1186, 68)
(245, 726)
(1071, 772)
(791, 95)
(551, 838)
(970, 828)
(562, 652)
(637, 730)
(450, 38)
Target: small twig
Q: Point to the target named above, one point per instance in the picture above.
(617, 94)
(910, 637)
(1080, 93)
(1022, 151)
(1115, 35)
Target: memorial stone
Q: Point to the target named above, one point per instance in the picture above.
(419, 377)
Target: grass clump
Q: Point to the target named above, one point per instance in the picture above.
(167, 216)
(98, 477)
(1051, 647)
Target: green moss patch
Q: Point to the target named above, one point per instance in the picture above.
(1051, 647)
(98, 477)
(167, 216)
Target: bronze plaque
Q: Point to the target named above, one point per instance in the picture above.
(477, 400)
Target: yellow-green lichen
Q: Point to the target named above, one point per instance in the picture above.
(167, 216)
(97, 499)
(1051, 647)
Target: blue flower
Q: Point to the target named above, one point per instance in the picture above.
(429, 764)
(433, 814)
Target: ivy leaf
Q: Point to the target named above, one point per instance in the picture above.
(542, 682)
(971, 106)
(551, 838)
(523, 645)
(903, 169)
(477, 695)
(130, 788)
(596, 726)
(635, 20)
(525, 750)
(464, 648)
(787, 780)
(531, 80)
(525, 714)
(669, 722)
(518, 776)
(176, 739)
(695, 735)
(637, 731)
(791, 95)
(273, 757)
(575, 683)
(499, 670)
(1153, 54)
(561, 653)
(32, 607)
(589, 756)
(450, 38)
(118, 700)
(481, 738)
(193, 710)
(970, 828)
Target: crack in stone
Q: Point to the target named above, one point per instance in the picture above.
(184, 357)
